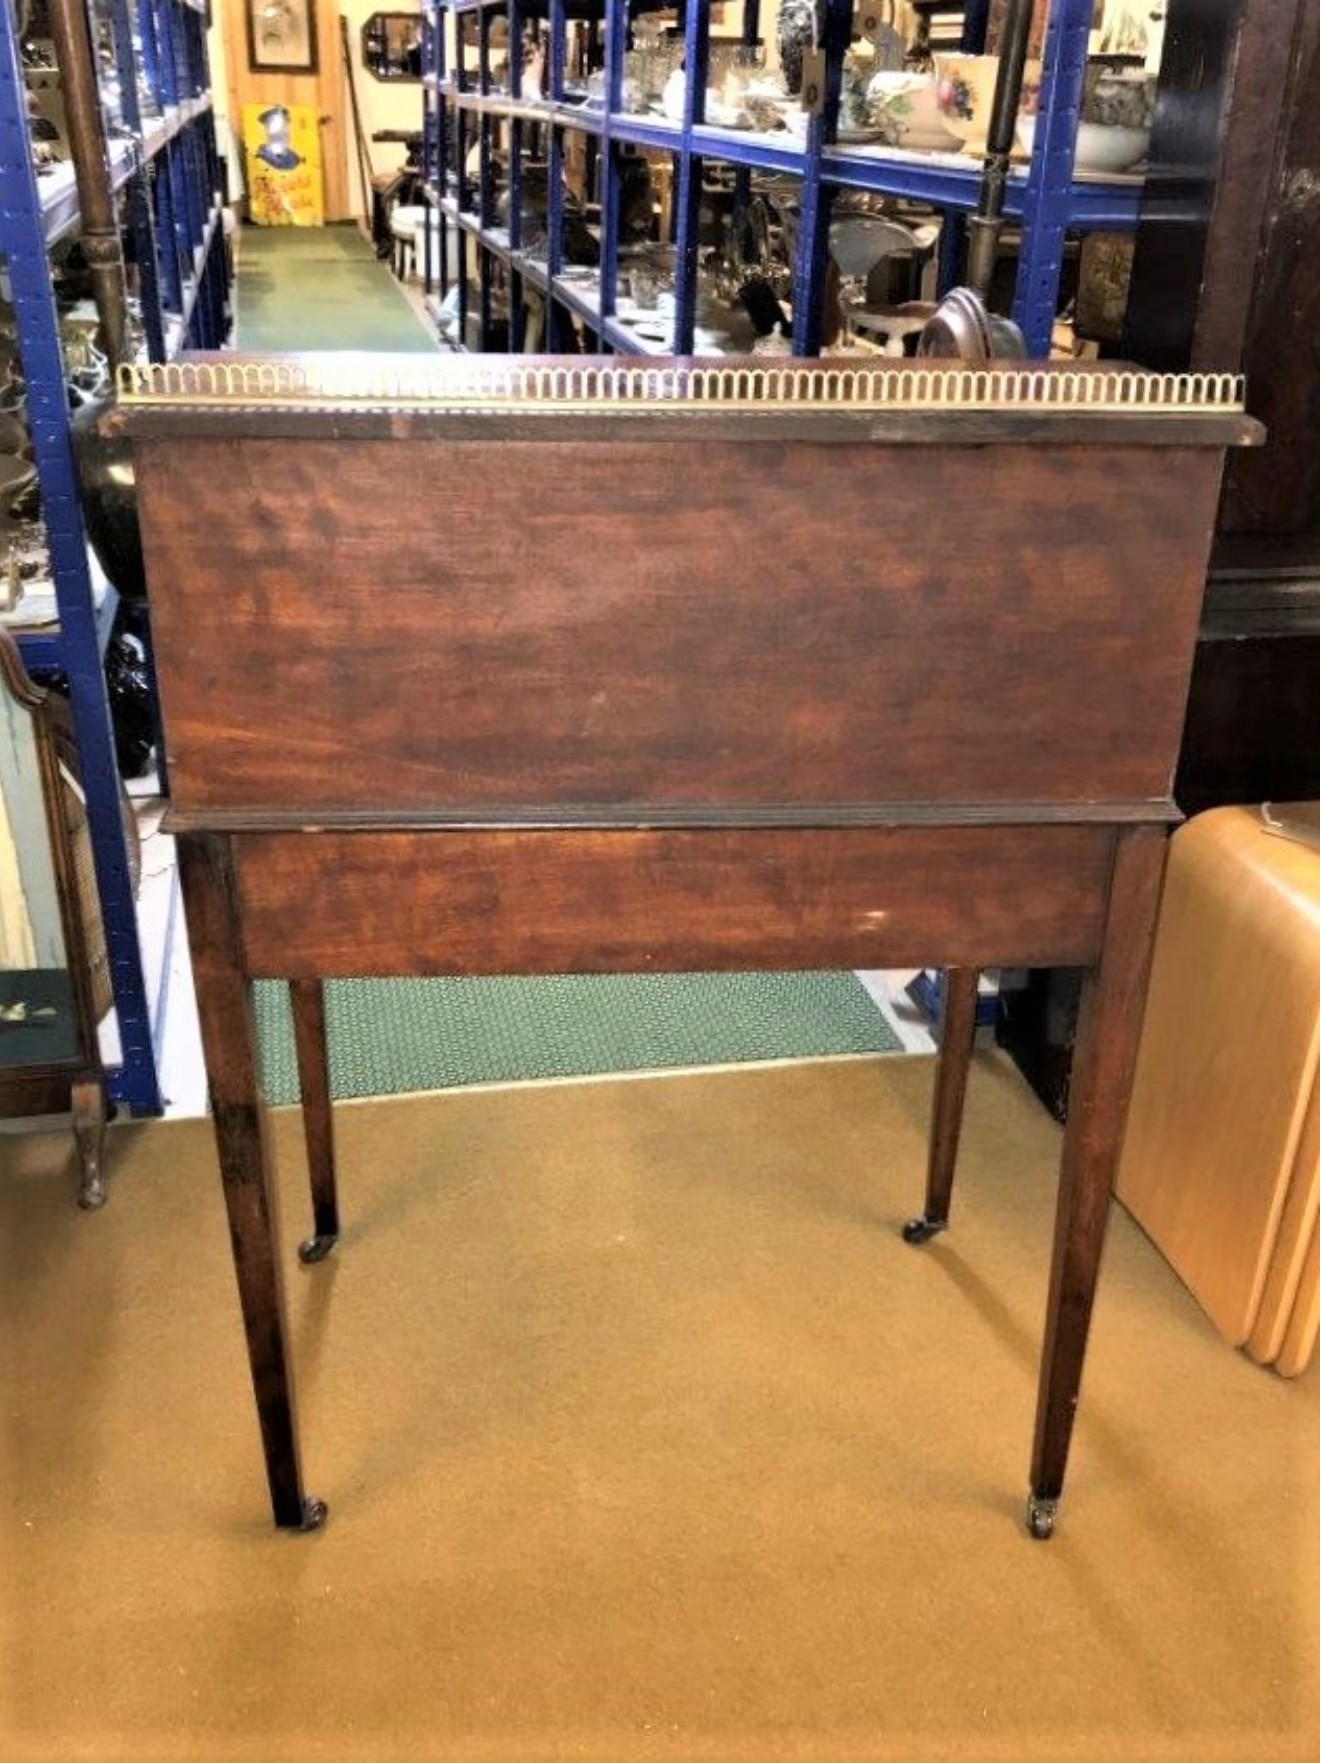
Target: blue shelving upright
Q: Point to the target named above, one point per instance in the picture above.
(1046, 197)
(183, 287)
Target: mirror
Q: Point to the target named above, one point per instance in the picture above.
(392, 46)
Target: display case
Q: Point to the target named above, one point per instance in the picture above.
(539, 164)
(148, 65)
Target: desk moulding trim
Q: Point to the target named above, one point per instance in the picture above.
(367, 383)
(678, 817)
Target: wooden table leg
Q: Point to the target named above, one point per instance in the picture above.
(229, 1041)
(307, 998)
(957, 1038)
(88, 1100)
(1108, 1034)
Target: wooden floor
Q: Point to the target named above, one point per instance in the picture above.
(644, 1438)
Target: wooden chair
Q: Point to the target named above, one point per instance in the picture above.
(50, 994)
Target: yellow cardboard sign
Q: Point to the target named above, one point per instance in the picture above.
(282, 151)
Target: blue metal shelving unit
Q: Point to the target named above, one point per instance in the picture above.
(168, 169)
(1046, 197)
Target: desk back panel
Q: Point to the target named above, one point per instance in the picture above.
(532, 627)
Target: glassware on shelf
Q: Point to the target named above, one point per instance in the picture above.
(534, 205)
(739, 93)
(654, 56)
(859, 242)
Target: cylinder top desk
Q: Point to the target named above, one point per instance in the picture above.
(479, 666)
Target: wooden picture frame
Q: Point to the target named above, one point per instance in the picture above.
(281, 36)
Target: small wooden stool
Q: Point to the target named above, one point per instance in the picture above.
(1221, 1164)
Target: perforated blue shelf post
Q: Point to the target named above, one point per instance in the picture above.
(23, 248)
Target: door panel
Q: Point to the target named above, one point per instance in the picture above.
(322, 89)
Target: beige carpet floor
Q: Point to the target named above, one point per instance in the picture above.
(644, 1438)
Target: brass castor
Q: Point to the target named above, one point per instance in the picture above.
(314, 1514)
(1041, 1514)
(921, 1230)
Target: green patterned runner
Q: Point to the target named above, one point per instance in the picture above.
(391, 1036)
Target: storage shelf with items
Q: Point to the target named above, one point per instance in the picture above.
(599, 99)
(131, 77)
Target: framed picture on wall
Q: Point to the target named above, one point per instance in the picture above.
(281, 36)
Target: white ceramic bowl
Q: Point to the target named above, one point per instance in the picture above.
(1106, 147)
(1100, 147)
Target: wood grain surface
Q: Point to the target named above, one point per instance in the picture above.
(641, 625)
(605, 902)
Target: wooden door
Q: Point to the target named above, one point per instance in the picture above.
(323, 88)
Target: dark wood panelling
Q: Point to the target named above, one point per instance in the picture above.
(1253, 725)
(1226, 275)
(1280, 492)
(1212, 154)
(674, 624)
(607, 902)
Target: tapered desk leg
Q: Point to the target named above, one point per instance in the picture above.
(229, 1042)
(307, 997)
(88, 1100)
(1109, 1030)
(957, 1037)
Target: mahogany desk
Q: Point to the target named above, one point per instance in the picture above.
(480, 666)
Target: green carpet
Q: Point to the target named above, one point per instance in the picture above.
(321, 288)
(392, 1036)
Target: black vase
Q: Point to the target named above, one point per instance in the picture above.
(109, 498)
